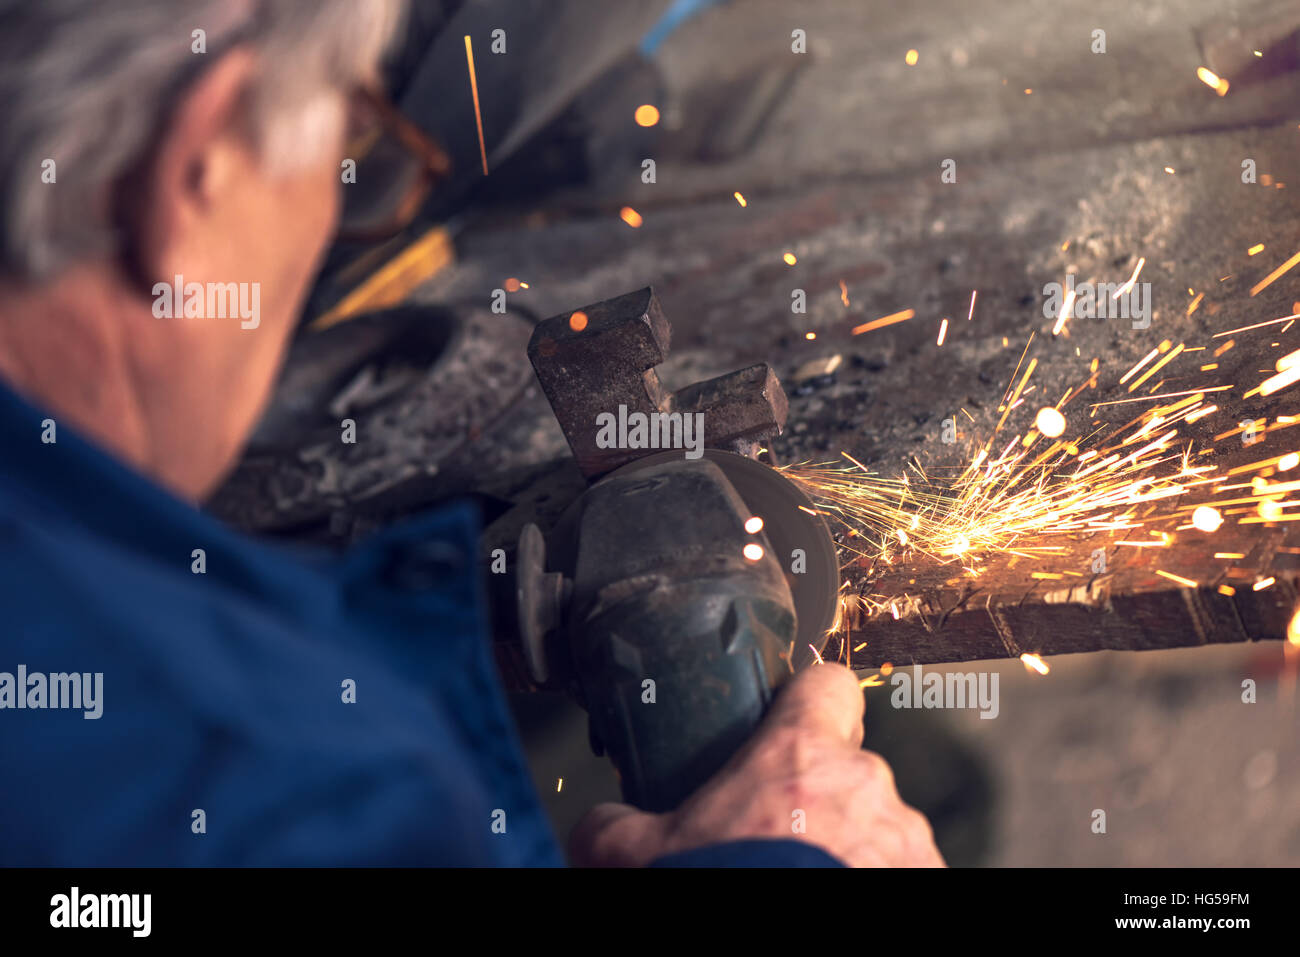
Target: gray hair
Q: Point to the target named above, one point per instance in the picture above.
(86, 83)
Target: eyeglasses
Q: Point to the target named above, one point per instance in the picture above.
(397, 165)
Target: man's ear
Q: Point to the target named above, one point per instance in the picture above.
(198, 154)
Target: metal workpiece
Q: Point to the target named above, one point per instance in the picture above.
(601, 359)
(741, 409)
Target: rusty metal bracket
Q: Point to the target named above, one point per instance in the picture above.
(595, 359)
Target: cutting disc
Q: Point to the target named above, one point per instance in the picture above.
(780, 504)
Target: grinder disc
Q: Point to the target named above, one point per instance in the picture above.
(775, 499)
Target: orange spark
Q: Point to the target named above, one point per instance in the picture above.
(1123, 290)
(1034, 663)
(1207, 518)
(1258, 325)
(1145, 359)
(1050, 422)
(1011, 402)
(478, 116)
(884, 321)
(1279, 381)
(1066, 306)
(1273, 276)
(1212, 80)
(1158, 366)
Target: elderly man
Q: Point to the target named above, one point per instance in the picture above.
(170, 692)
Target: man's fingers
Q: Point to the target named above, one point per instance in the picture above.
(824, 699)
(610, 835)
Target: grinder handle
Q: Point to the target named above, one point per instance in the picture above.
(672, 710)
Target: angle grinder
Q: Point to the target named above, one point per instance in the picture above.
(673, 614)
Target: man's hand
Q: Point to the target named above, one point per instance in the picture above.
(806, 757)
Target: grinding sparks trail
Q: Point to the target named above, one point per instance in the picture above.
(1010, 496)
(1047, 473)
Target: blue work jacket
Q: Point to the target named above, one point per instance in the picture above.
(246, 703)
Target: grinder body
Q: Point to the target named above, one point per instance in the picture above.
(678, 640)
(672, 635)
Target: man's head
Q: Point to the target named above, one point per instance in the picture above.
(156, 146)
